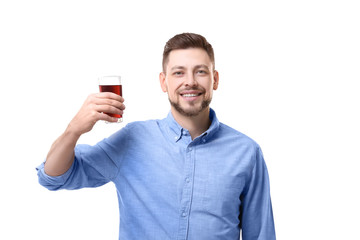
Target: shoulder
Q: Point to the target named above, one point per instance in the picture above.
(246, 149)
(143, 129)
(134, 132)
(146, 125)
(236, 136)
(238, 143)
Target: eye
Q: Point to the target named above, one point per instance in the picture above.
(178, 73)
(201, 72)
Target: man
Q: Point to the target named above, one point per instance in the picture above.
(187, 176)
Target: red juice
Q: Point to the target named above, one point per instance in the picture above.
(117, 89)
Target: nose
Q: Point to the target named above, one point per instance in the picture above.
(190, 80)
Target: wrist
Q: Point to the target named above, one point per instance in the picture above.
(72, 132)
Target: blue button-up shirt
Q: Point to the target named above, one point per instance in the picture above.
(172, 187)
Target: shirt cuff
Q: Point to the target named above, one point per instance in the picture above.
(54, 180)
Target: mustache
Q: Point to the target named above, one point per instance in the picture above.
(192, 89)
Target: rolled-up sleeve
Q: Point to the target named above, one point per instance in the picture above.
(257, 216)
(81, 174)
(51, 182)
(93, 166)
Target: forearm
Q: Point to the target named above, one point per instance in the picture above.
(61, 154)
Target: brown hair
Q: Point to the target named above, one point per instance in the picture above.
(185, 41)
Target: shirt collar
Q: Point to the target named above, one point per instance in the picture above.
(176, 131)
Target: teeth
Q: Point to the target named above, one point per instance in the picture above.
(190, 95)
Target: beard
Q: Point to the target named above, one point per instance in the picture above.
(193, 111)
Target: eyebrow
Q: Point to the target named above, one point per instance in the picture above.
(196, 67)
(177, 67)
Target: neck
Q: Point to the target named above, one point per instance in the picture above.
(196, 125)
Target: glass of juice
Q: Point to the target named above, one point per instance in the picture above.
(111, 84)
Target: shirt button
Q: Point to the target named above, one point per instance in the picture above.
(187, 180)
(190, 149)
(176, 137)
(183, 214)
(204, 140)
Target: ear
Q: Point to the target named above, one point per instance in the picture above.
(162, 78)
(216, 80)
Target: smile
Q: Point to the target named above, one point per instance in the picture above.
(191, 94)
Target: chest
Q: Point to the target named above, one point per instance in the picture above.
(201, 176)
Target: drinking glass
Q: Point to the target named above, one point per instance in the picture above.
(111, 84)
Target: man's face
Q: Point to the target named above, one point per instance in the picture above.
(189, 80)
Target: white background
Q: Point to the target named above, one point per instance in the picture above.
(288, 79)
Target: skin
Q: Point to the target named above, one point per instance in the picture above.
(61, 154)
(190, 71)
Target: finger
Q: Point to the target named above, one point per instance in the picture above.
(110, 102)
(108, 109)
(105, 117)
(110, 95)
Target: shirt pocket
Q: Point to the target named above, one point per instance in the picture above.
(222, 195)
